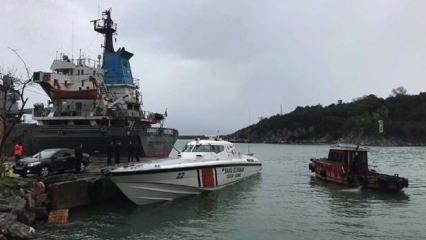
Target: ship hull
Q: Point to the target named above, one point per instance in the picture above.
(155, 142)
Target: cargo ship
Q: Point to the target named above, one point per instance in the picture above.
(93, 102)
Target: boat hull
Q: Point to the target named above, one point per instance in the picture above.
(153, 186)
(155, 142)
(370, 180)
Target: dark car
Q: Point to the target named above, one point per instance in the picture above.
(50, 160)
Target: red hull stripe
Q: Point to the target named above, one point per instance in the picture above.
(207, 177)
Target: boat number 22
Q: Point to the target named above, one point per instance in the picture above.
(180, 175)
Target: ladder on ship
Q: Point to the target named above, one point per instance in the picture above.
(104, 91)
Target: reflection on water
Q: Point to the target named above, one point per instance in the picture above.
(284, 202)
(122, 215)
(349, 203)
(349, 195)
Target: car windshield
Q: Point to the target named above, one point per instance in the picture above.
(45, 153)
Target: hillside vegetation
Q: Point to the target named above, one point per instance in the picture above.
(404, 118)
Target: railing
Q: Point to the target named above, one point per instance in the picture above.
(86, 62)
(101, 23)
(136, 81)
(89, 62)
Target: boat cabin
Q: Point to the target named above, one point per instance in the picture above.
(352, 158)
(208, 149)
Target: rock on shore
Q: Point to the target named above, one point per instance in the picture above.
(19, 209)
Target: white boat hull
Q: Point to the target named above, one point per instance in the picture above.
(145, 187)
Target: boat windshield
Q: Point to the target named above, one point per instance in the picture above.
(209, 148)
(45, 153)
(203, 148)
(187, 148)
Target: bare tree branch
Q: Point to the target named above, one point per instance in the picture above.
(23, 62)
(15, 87)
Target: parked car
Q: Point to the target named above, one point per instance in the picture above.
(49, 161)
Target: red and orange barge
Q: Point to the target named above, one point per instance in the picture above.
(348, 165)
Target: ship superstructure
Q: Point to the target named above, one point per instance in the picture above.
(94, 102)
(100, 91)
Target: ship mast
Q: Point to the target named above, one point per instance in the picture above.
(107, 27)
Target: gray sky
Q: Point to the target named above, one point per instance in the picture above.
(212, 62)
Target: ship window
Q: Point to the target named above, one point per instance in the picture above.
(337, 156)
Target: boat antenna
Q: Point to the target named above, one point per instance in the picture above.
(248, 140)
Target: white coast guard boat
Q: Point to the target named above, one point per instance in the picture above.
(203, 165)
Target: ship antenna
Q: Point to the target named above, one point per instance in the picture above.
(108, 28)
(72, 39)
(99, 8)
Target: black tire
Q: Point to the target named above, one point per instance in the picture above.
(311, 167)
(401, 184)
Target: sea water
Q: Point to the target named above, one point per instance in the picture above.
(284, 202)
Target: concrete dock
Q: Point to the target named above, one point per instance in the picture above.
(71, 190)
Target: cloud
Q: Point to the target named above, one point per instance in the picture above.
(212, 62)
